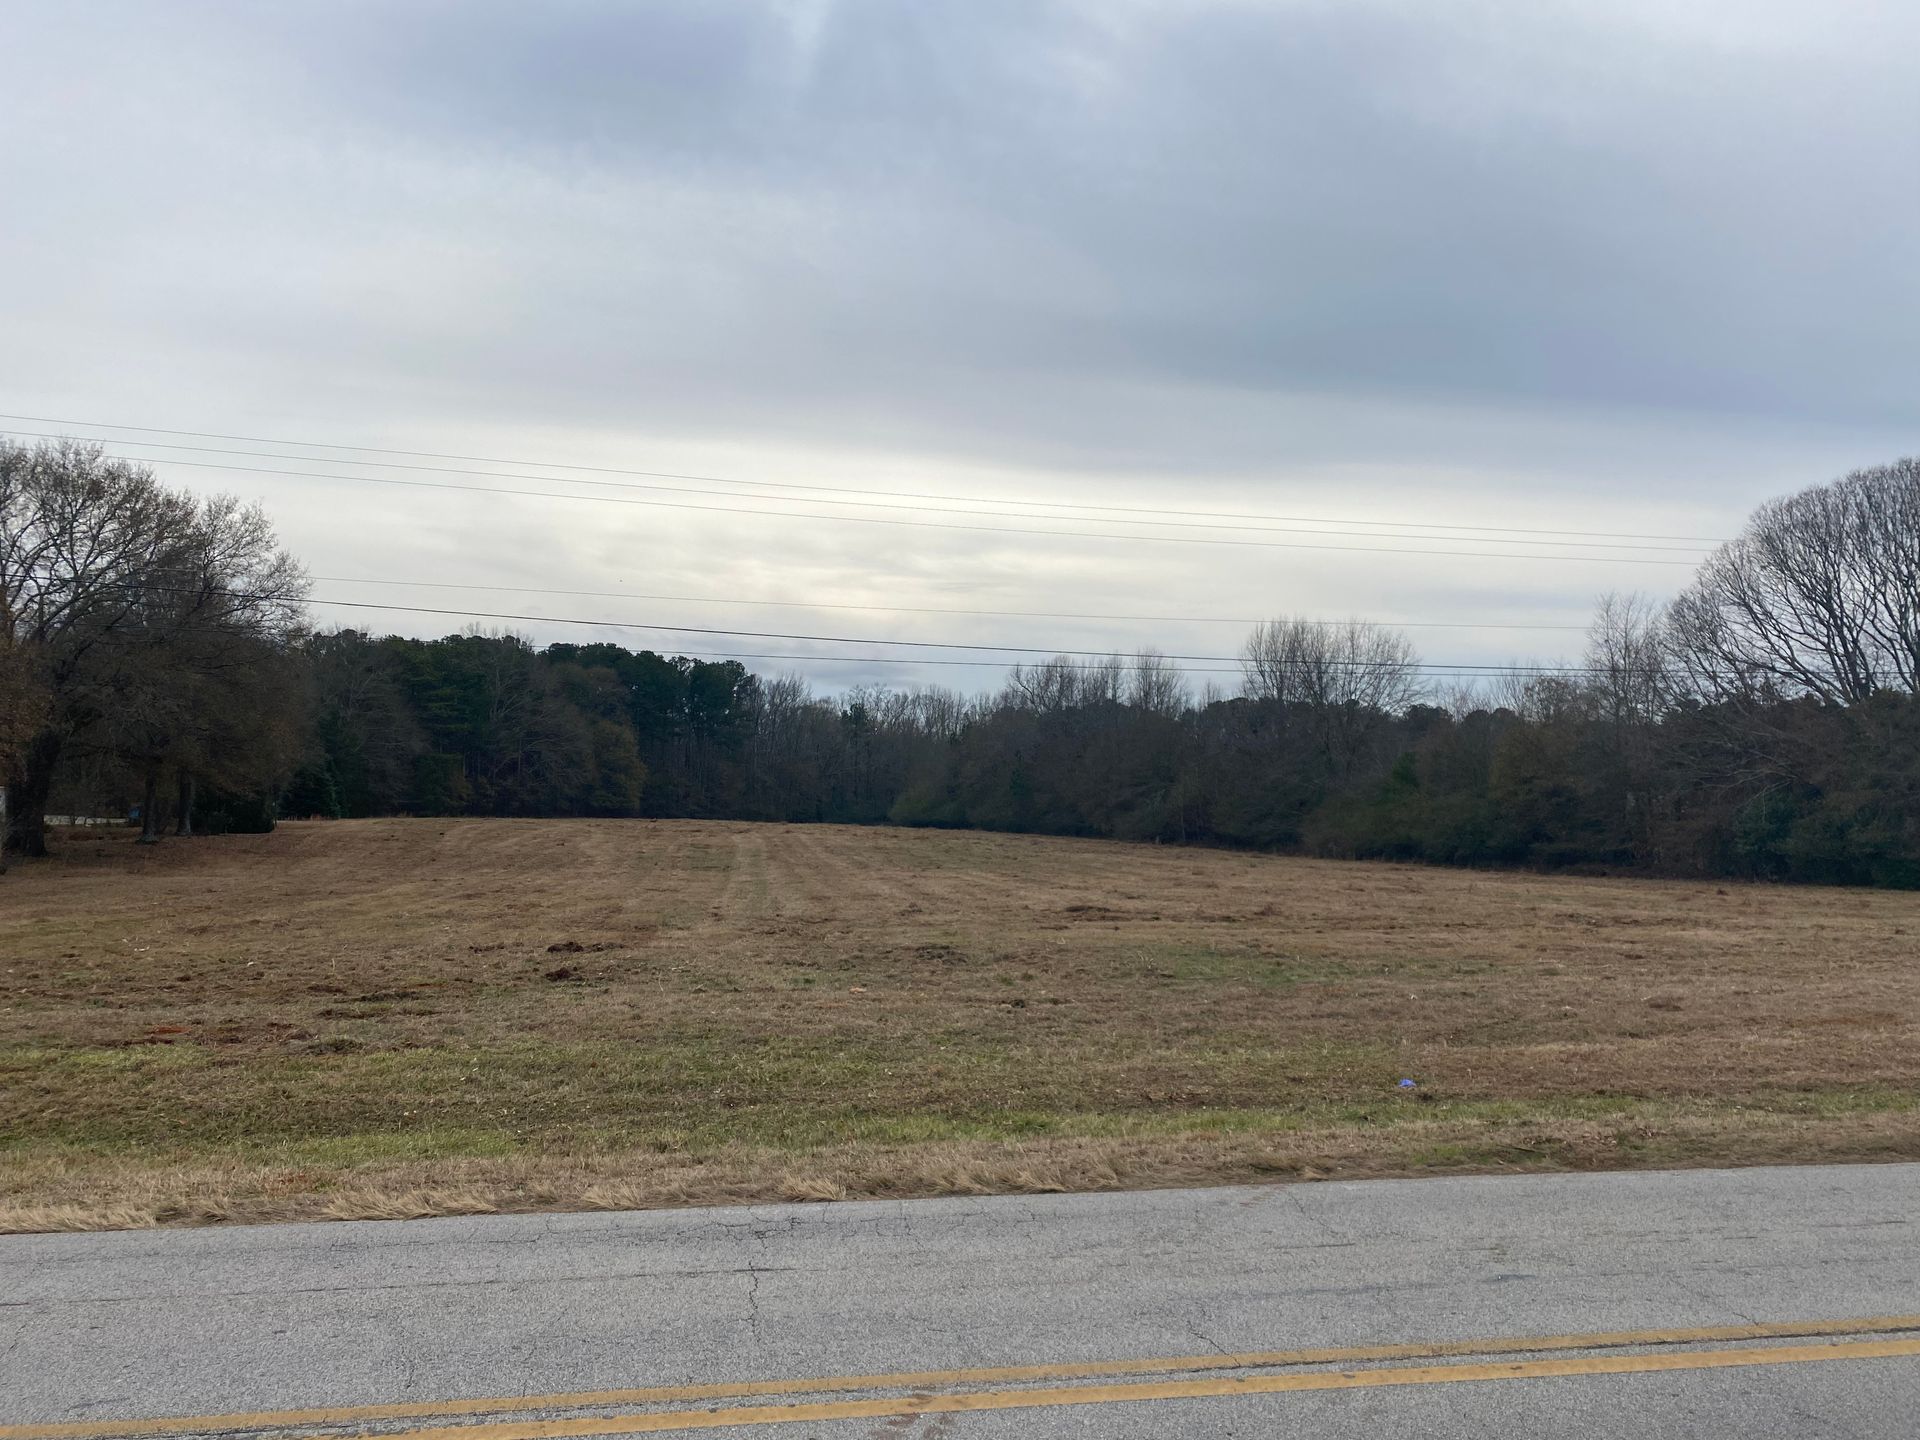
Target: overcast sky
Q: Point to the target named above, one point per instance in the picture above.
(1630, 267)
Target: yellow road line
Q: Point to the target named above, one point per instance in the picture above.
(918, 1380)
(1172, 1390)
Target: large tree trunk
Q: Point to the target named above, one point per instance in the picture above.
(184, 825)
(150, 807)
(27, 791)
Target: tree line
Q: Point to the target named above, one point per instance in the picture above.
(1766, 723)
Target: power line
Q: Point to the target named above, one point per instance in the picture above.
(909, 524)
(1047, 652)
(787, 485)
(741, 634)
(1051, 658)
(1004, 665)
(921, 609)
(1381, 534)
(922, 660)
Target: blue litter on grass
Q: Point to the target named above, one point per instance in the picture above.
(1406, 1085)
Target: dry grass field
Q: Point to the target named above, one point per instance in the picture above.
(419, 1017)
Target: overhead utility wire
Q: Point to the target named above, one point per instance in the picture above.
(1102, 658)
(1006, 665)
(835, 489)
(921, 609)
(887, 505)
(912, 524)
(1043, 651)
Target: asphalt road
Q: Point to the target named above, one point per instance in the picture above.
(1699, 1304)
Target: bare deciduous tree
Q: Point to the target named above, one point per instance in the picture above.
(143, 612)
(1628, 662)
(1819, 595)
(1156, 685)
(1350, 675)
(1352, 662)
(80, 537)
(1062, 683)
(1537, 694)
(938, 713)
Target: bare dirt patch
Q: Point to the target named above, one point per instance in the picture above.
(379, 1017)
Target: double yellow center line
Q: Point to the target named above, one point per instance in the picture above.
(934, 1392)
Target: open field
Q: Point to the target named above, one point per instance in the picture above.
(410, 1017)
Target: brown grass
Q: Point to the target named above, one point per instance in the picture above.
(430, 1017)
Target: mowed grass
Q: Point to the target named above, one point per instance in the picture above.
(419, 1017)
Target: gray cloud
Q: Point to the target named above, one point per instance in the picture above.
(1575, 264)
(1505, 201)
